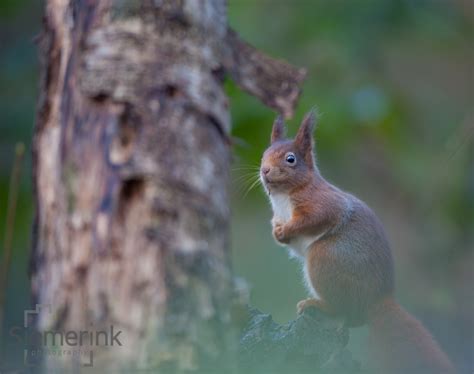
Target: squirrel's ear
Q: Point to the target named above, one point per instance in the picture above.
(278, 130)
(304, 137)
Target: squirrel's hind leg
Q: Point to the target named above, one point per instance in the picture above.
(314, 303)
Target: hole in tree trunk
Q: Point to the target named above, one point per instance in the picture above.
(121, 148)
(132, 188)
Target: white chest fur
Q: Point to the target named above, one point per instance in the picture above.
(282, 207)
(283, 211)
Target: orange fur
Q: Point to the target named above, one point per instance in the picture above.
(402, 344)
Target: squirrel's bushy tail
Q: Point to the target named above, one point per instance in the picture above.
(400, 343)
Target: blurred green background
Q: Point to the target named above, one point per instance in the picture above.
(393, 80)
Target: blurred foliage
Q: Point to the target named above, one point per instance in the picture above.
(393, 80)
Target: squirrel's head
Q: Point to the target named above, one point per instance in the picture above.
(288, 164)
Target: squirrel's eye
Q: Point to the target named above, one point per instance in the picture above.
(290, 158)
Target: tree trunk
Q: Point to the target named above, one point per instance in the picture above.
(131, 163)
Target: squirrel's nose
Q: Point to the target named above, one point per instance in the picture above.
(265, 170)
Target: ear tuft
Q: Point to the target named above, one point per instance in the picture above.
(278, 130)
(304, 137)
(309, 120)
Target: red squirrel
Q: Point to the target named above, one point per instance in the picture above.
(346, 258)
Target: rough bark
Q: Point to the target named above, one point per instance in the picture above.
(131, 160)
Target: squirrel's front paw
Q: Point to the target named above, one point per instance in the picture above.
(280, 234)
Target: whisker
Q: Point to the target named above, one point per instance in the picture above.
(251, 187)
(238, 175)
(243, 188)
(251, 180)
(246, 168)
(241, 164)
(244, 177)
(248, 182)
